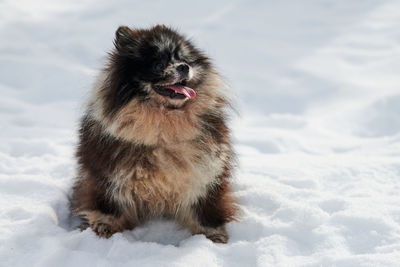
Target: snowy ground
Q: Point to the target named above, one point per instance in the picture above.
(317, 84)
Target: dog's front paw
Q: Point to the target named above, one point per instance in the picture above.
(217, 235)
(218, 238)
(102, 224)
(103, 229)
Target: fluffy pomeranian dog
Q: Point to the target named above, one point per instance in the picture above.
(154, 141)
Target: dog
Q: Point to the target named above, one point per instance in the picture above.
(154, 140)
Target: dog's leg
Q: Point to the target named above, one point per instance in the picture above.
(210, 214)
(89, 202)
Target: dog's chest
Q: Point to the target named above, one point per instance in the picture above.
(189, 170)
(171, 176)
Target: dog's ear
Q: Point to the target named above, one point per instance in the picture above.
(160, 26)
(124, 38)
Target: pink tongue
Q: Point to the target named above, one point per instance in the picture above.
(184, 90)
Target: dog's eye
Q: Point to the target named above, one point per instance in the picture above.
(176, 55)
(159, 67)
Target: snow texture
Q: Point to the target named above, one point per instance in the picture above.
(318, 138)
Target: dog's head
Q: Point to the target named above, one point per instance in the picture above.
(157, 65)
(157, 87)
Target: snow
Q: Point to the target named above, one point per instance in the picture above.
(318, 138)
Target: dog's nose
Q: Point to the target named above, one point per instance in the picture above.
(183, 68)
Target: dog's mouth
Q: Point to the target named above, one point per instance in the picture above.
(175, 91)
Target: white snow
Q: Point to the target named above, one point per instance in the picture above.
(317, 86)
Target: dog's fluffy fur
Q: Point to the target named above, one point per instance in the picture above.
(146, 155)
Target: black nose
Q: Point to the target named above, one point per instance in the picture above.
(183, 68)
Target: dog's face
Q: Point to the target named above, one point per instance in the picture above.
(157, 65)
